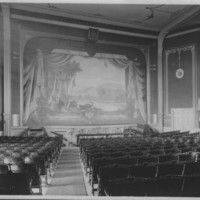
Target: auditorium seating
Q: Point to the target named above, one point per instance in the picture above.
(163, 165)
(148, 159)
(164, 186)
(191, 186)
(25, 160)
(169, 169)
(170, 186)
(15, 184)
(127, 187)
(111, 172)
(143, 171)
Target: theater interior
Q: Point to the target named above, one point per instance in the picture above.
(125, 123)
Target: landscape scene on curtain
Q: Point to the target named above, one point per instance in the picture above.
(87, 91)
(82, 91)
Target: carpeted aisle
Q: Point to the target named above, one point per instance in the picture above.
(68, 177)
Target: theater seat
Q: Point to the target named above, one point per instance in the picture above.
(127, 187)
(191, 186)
(189, 157)
(169, 169)
(15, 184)
(192, 169)
(33, 172)
(168, 158)
(168, 186)
(148, 159)
(4, 169)
(111, 172)
(143, 171)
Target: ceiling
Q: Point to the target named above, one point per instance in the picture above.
(153, 17)
(146, 16)
(140, 16)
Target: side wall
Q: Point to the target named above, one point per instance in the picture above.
(183, 85)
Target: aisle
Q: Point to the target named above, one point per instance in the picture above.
(68, 177)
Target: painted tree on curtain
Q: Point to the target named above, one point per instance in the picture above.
(63, 83)
(75, 89)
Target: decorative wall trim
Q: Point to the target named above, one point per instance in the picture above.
(192, 48)
(167, 53)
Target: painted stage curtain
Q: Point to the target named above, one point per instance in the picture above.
(35, 80)
(33, 84)
(135, 86)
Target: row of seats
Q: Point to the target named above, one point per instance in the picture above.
(162, 151)
(148, 171)
(27, 159)
(138, 152)
(156, 156)
(170, 186)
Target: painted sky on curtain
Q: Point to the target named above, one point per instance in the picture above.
(93, 94)
(76, 90)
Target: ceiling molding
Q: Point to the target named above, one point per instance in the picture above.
(183, 32)
(53, 22)
(192, 11)
(75, 15)
(56, 16)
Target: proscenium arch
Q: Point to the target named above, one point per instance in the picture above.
(48, 43)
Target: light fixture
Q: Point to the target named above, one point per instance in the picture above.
(93, 34)
(179, 71)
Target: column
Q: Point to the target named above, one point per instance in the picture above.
(7, 69)
(160, 85)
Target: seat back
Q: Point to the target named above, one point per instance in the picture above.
(15, 184)
(170, 169)
(127, 187)
(172, 151)
(191, 186)
(4, 169)
(169, 186)
(33, 171)
(190, 157)
(192, 168)
(143, 171)
(112, 172)
(148, 159)
(156, 152)
(168, 158)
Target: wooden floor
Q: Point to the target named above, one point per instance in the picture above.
(68, 177)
